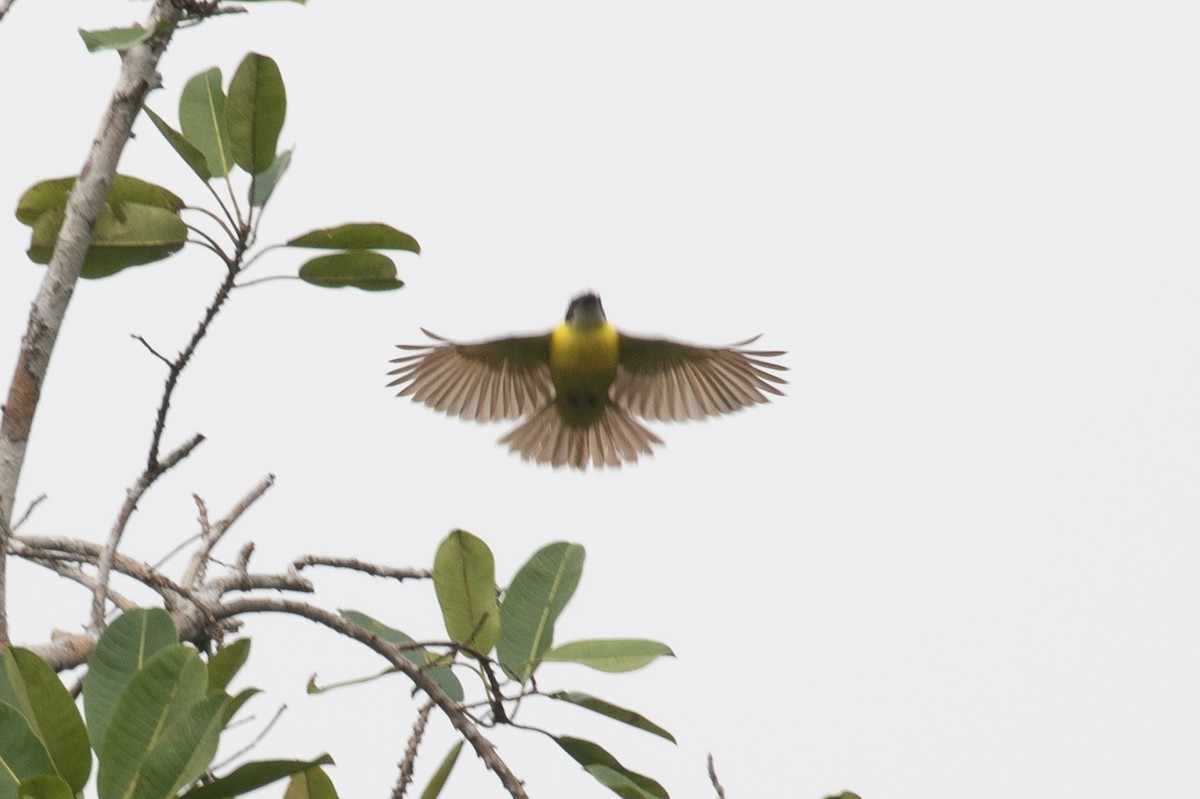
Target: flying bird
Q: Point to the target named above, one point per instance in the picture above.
(580, 385)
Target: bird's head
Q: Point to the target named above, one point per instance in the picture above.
(585, 311)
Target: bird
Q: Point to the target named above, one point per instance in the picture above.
(579, 386)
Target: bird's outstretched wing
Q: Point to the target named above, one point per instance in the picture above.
(489, 381)
(668, 381)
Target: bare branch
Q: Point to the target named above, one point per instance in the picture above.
(211, 534)
(394, 655)
(257, 739)
(151, 350)
(366, 567)
(84, 202)
(5, 5)
(410, 753)
(72, 550)
(29, 511)
(104, 565)
(712, 776)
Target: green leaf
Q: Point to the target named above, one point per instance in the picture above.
(533, 603)
(45, 786)
(252, 776)
(609, 771)
(613, 655)
(262, 186)
(438, 780)
(49, 195)
(311, 783)
(202, 120)
(131, 640)
(464, 579)
(186, 150)
(357, 236)
(163, 727)
(254, 112)
(22, 754)
(226, 662)
(114, 38)
(31, 686)
(125, 235)
(360, 269)
(442, 675)
(621, 714)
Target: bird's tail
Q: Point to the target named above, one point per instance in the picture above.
(610, 440)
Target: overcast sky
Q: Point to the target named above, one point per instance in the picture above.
(960, 558)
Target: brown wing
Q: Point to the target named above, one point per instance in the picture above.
(668, 381)
(493, 380)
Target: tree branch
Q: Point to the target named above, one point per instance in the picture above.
(409, 762)
(86, 199)
(374, 569)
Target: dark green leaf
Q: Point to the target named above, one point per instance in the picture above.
(45, 786)
(202, 120)
(442, 675)
(226, 662)
(254, 112)
(464, 579)
(438, 780)
(114, 38)
(357, 236)
(311, 783)
(613, 655)
(253, 776)
(262, 186)
(624, 715)
(608, 770)
(533, 603)
(360, 269)
(187, 151)
(28, 684)
(22, 755)
(131, 640)
(52, 194)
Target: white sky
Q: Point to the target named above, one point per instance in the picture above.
(959, 559)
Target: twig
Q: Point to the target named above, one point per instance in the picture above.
(409, 761)
(84, 203)
(28, 512)
(457, 716)
(5, 5)
(210, 534)
(118, 529)
(355, 564)
(152, 351)
(55, 564)
(257, 740)
(712, 776)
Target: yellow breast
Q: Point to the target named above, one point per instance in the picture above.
(583, 364)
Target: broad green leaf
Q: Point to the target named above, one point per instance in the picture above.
(464, 579)
(45, 786)
(202, 120)
(254, 112)
(621, 714)
(226, 662)
(533, 603)
(131, 640)
(22, 755)
(125, 235)
(52, 194)
(186, 150)
(262, 186)
(614, 655)
(311, 783)
(442, 675)
(115, 38)
(28, 684)
(360, 269)
(438, 780)
(164, 732)
(608, 770)
(253, 776)
(357, 236)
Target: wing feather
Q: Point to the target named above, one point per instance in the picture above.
(666, 380)
(489, 381)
